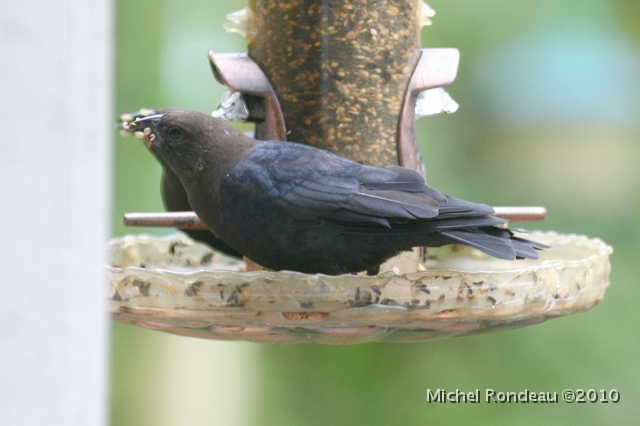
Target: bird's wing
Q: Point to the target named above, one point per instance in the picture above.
(311, 183)
(393, 193)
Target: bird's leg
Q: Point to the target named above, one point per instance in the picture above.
(424, 252)
(253, 266)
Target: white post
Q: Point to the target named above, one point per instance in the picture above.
(55, 130)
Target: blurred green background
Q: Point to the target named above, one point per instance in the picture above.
(550, 115)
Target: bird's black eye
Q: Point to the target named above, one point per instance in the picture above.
(175, 133)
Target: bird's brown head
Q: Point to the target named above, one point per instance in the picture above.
(187, 141)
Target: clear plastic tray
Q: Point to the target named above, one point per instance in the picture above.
(174, 285)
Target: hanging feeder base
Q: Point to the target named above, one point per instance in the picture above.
(175, 285)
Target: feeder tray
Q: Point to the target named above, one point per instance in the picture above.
(175, 285)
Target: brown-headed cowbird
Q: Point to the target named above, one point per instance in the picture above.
(291, 206)
(174, 195)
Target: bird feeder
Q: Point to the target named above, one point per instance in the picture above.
(174, 285)
(342, 76)
(348, 76)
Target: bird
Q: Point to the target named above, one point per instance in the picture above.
(291, 206)
(174, 196)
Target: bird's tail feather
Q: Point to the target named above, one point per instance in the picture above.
(503, 246)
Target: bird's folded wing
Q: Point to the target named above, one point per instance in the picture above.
(392, 204)
(311, 183)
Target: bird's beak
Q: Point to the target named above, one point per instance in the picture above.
(141, 124)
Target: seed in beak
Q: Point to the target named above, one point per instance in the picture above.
(147, 131)
(139, 135)
(148, 140)
(125, 118)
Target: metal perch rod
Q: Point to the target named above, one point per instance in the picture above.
(189, 220)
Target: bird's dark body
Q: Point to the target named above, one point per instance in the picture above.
(175, 199)
(264, 231)
(290, 206)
